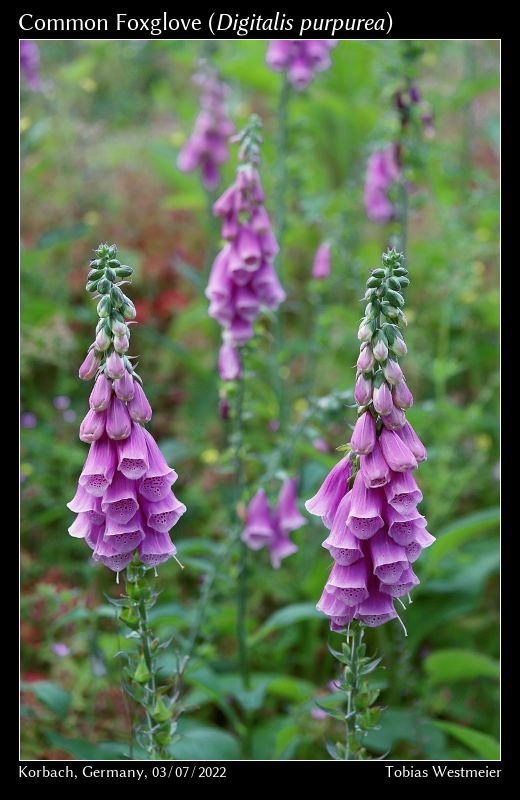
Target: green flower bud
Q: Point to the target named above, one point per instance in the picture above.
(104, 306)
(389, 311)
(95, 274)
(395, 298)
(373, 282)
(91, 286)
(400, 272)
(110, 274)
(378, 273)
(404, 281)
(117, 296)
(123, 272)
(128, 309)
(393, 283)
(104, 286)
(113, 262)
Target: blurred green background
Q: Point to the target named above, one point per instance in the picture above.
(99, 144)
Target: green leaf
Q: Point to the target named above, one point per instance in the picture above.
(454, 664)
(85, 751)
(48, 693)
(461, 531)
(285, 617)
(483, 744)
(205, 742)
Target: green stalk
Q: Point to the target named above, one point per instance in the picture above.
(280, 225)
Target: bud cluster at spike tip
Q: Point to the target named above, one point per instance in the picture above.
(124, 499)
(271, 528)
(242, 277)
(207, 147)
(300, 58)
(369, 499)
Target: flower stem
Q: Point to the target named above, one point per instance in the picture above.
(280, 223)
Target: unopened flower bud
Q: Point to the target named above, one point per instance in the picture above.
(123, 271)
(380, 350)
(90, 365)
(104, 286)
(104, 306)
(139, 407)
(124, 387)
(102, 340)
(117, 296)
(93, 426)
(382, 399)
(366, 330)
(128, 309)
(365, 361)
(121, 343)
(402, 395)
(119, 423)
(392, 372)
(101, 393)
(115, 366)
(363, 390)
(399, 346)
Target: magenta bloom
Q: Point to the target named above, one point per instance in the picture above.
(376, 531)
(124, 501)
(30, 64)
(382, 172)
(207, 148)
(364, 434)
(242, 277)
(229, 366)
(300, 58)
(272, 528)
(322, 264)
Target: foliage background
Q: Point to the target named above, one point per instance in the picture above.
(98, 152)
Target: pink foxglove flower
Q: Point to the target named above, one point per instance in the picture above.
(300, 58)
(242, 278)
(322, 264)
(382, 172)
(124, 500)
(271, 528)
(207, 148)
(369, 499)
(30, 64)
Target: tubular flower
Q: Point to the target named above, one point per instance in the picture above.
(369, 499)
(207, 148)
(322, 263)
(124, 499)
(242, 278)
(382, 171)
(300, 58)
(272, 528)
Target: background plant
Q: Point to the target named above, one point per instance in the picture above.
(99, 146)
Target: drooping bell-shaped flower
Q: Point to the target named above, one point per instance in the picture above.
(364, 434)
(123, 503)
(242, 278)
(138, 406)
(93, 426)
(322, 263)
(206, 149)
(301, 58)
(376, 530)
(325, 502)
